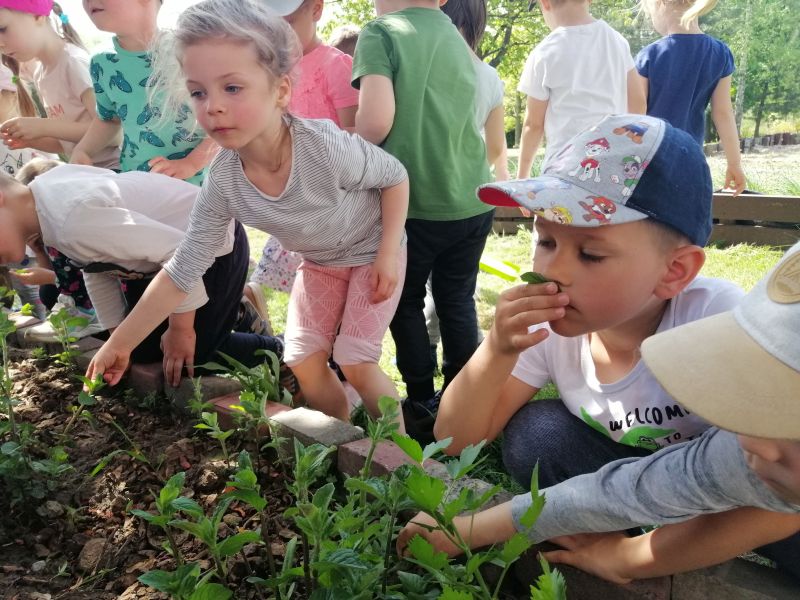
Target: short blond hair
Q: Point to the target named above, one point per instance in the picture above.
(35, 167)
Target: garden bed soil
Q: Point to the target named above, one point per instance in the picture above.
(82, 543)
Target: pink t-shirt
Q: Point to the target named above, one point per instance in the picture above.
(322, 84)
(61, 88)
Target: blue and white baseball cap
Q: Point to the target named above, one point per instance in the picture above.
(740, 370)
(625, 168)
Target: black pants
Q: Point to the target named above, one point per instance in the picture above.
(213, 321)
(449, 252)
(545, 431)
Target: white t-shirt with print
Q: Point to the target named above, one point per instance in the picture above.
(582, 71)
(634, 410)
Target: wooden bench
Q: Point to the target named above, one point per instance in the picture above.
(749, 218)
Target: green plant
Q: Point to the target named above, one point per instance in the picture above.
(64, 323)
(28, 468)
(38, 353)
(87, 397)
(210, 423)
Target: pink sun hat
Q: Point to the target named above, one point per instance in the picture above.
(34, 7)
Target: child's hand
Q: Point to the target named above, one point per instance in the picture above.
(609, 556)
(180, 168)
(34, 276)
(520, 307)
(110, 362)
(424, 525)
(22, 128)
(383, 277)
(79, 157)
(178, 345)
(735, 179)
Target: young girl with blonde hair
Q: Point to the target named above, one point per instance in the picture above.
(61, 79)
(331, 196)
(684, 71)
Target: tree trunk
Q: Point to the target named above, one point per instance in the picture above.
(518, 115)
(760, 110)
(741, 69)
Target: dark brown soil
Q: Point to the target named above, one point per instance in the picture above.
(40, 546)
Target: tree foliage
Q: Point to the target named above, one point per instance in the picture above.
(764, 36)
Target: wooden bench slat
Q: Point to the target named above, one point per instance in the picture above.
(782, 209)
(749, 234)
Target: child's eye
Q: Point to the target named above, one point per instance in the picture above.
(233, 89)
(544, 243)
(591, 257)
(195, 94)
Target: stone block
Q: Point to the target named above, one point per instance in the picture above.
(735, 580)
(87, 344)
(146, 378)
(211, 387)
(583, 586)
(227, 415)
(310, 427)
(387, 458)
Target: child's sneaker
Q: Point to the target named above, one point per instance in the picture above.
(260, 303)
(250, 320)
(46, 333)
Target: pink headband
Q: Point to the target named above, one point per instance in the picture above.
(34, 7)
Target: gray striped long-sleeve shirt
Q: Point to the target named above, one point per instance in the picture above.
(329, 212)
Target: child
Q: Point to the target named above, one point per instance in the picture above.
(685, 70)
(61, 79)
(321, 90)
(124, 104)
(344, 38)
(741, 371)
(581, 72)
(136, 222)
(417, 83)
(622, 255)
(469, 17)
(329, 195)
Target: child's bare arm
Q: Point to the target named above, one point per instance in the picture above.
(532, 134)
(184, 168)
(347, 117)
(694, 544)
(483, 396)
(490, 526)
(637, 93)
(99, 135)
(394, 209)
(496, 151)
(375, 115)
(725, 122)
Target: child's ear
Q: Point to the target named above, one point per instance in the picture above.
(442, 3)
(545, 4)
(284, 91)
(316, 12)
(683, 265)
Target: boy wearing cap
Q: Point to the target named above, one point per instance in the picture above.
(741, 371)
(622, 257)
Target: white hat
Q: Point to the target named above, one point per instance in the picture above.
(740, 370)
(283, 7)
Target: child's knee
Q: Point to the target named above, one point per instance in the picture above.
(350, 351)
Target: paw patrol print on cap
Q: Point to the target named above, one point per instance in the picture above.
(623, 169)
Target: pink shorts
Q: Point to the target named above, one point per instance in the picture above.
(327, 299)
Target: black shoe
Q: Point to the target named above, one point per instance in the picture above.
(419, 418)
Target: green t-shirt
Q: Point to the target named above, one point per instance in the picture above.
(120, 81)
(434, 133)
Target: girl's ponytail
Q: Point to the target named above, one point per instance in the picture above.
(27, 108)
(697, 9)
(67, 30)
